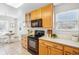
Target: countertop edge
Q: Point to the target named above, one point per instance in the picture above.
(70, 44)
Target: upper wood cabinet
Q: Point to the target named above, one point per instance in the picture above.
(28, 20)
(33, 15)
(27, 17)
(47, 16)
(36, 14)
(45, 13)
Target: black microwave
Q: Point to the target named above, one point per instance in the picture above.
(36, 23)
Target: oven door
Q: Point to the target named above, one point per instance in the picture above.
(33, 44)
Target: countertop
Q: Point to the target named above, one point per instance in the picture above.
(62, 41)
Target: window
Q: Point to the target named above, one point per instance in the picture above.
(3, 26)
(67, 21)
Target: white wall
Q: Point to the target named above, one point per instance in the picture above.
(65, 7)
(20, 22)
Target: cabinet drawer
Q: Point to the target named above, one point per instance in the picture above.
(55, 51)
(58, 46)
(55, 45)
(67, 53)
(76, 51)
(46, 42)
(71, 50)
(41, 41)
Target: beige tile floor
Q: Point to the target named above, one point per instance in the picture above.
(13, 49)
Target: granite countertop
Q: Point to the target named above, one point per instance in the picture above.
(62, 41)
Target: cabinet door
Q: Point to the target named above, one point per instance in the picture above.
(24, 42)
(27, 17)
(43, 50)
(71, 50)
(33, 15)
(36, 14)
(27, 20)
(54, 51)
(47, 16)
(75, 51)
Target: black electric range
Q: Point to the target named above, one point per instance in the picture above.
(33, 42)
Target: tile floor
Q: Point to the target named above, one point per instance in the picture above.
(13, 49)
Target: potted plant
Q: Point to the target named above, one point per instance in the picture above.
(54, 35)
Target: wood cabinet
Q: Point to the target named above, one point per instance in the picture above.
(55, 51)
(36, 14)
(27, 20)
(43, 49)
(24, 41)
(27, 17)
(52, 48)
(48, 48)
(33, 13)
(47, 16)
(70, 51)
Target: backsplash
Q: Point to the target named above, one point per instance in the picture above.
(31, 30)
(66, 35)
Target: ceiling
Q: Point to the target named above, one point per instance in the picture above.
(16, 5)
(28, 7)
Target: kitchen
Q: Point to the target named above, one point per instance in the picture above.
(52, 30)
(39, 29)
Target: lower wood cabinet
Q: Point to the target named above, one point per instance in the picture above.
(54, 51)
(48, 48)
(70, 51)
(24, 41)
(43, 49)
(52, 48)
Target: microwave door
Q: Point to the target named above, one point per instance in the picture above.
(36, 23)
